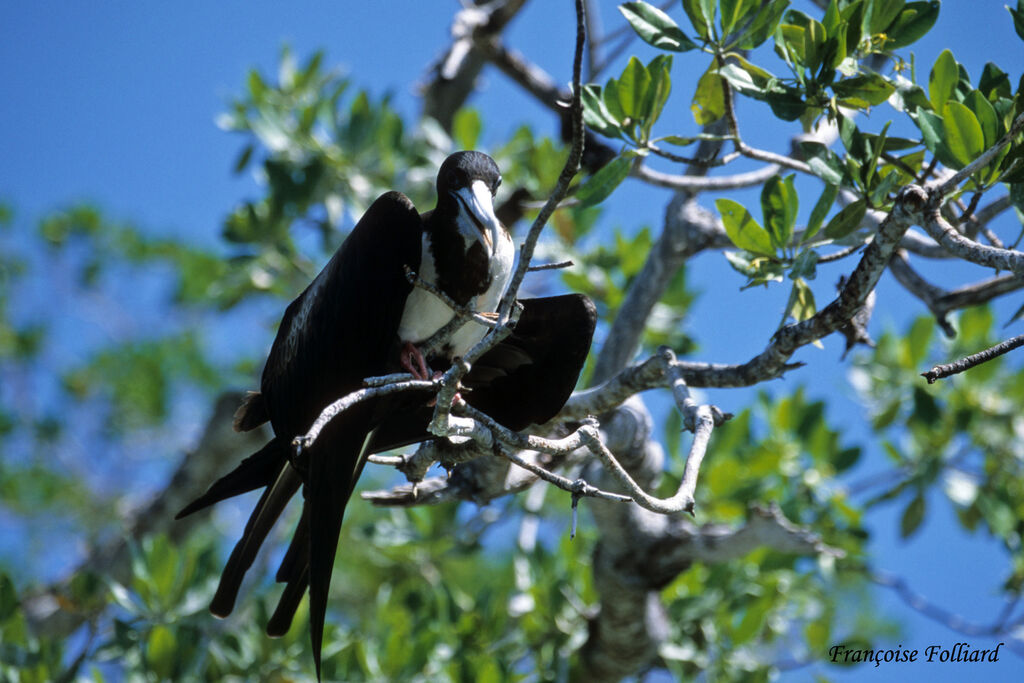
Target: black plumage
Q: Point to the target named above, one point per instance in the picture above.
(359, 318)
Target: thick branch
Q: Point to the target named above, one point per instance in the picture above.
(703, 184)
(940, 302)
(969, 250)
(453, 75)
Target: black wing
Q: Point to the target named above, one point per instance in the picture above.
(338, 331)
(529, 376)
(524, 380)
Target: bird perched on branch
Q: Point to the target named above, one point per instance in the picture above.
(362, 316)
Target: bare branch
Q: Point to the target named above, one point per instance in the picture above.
(940, 302)
(773, 361)
(465, 313)
(969, 250)
(703, 184)
(304, 441)
(453, 75)
(550, 266)
(964, 364)
(951, 620)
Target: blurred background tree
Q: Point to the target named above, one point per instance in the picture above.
(96, 582)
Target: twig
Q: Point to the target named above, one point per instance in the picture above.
(968, 213)
(662, 370)
(683, 500)
(464, 313)
(964, 364)
(577, 487)
(929, 609)
(550, 266)
(841, 254)
(709, 162)
(745, 149)
(304, 441)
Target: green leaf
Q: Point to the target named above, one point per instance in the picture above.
(943, 79)
(933, 132)
(879, 14)
(863, 90)
(752, 622)
(466, 128)
(814, 45)
(820, 210)
(805, 265)
(824, 162)
(701, 14)
(793, 41)
(8, 598)
(597, 188)
(655, 27)
(633, 84)
(610, 96)
(964, 136)
(994, 83)
(846, 221)
(678, 140)
(986, 115)
(764, 24)
(161, 646)
(731, 12)
(881, 190)
(742, 229)
(709, 99)
(914, 20)
(244, 158)
(801, 304)
(846, 458)
(913, 515)
(596, 115)
(658, 90)
(779, 204)
(1018, 20)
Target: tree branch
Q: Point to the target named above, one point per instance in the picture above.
(964, 364)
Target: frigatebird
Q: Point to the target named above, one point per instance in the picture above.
(362, 316)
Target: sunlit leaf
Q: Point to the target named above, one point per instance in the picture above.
(656, 27)
(943, 79)
(708, 103)
(964, 136)
(742, 229)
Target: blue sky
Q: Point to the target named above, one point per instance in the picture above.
(115, 103)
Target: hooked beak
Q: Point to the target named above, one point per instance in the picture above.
(477, 217)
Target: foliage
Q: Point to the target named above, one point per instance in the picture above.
(441, 593)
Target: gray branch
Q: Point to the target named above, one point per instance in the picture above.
(452, 77)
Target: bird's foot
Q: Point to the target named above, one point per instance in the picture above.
(412, 360)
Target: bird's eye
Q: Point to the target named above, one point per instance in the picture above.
(453, 179)
(497, 184)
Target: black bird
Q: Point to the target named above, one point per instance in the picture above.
(362, 317)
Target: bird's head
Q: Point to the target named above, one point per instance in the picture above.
(466, 185)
